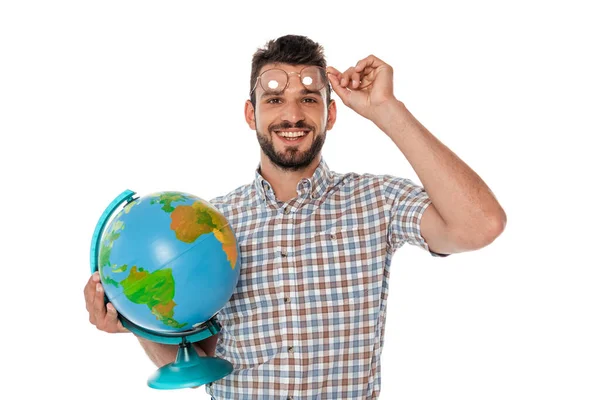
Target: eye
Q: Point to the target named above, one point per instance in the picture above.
(273, 100)
(309, 100)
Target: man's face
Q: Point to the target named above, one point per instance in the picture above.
(291, 124)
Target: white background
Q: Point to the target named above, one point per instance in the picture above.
(99, 97)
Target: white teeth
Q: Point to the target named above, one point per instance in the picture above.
(291, 134)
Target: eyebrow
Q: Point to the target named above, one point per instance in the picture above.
(304, 92)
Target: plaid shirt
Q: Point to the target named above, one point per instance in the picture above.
(307, 318)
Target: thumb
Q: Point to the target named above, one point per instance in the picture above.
(342, 92)
(114, 318)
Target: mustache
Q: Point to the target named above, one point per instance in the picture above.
(288, 125)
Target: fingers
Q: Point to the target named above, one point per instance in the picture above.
(360, 76)
(89, 293)
(334, 78)
(103, 316)
(353, 77)
(99, 309)
(356, 78)
(370, 62)
(342, 78)
(333, 72)
(112, 323)
(106, 317)
(350, 78)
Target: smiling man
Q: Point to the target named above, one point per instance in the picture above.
(307, 317)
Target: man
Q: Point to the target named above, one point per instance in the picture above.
(307, 317)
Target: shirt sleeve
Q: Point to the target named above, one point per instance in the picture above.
(408, 201)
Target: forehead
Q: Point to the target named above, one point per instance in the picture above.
(286, 67)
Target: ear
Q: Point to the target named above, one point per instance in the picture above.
(331, 114)
(249, 114)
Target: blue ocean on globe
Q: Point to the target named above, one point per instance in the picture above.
(168, 262)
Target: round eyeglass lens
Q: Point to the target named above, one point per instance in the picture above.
(311, 78)
(273, 80)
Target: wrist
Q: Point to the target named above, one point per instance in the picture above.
(389, 115)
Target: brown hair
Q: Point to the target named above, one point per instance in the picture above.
(289, 49)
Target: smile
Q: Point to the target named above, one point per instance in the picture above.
(292, 135)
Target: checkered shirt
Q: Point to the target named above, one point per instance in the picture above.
(307, 318)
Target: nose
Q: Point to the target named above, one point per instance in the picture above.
(292, 112)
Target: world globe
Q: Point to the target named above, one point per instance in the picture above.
(168, 262)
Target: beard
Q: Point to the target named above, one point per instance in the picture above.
(291, 159)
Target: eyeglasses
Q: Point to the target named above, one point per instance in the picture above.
(276, 80)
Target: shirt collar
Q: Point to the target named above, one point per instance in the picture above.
(316, 186)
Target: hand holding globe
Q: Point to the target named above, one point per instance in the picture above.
(103, 316)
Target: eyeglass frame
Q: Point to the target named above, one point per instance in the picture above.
(287, 82)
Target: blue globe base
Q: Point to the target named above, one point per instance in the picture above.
(189, 370)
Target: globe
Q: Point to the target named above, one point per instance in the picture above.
(168, 262)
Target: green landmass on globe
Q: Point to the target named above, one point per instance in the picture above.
(156, 290)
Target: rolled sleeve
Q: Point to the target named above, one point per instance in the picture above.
(408, 202)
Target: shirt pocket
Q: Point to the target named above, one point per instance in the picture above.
(336, 249)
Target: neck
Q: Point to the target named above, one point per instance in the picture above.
(284, 182)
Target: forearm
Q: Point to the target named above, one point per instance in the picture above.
(460, 196)
(162, 354)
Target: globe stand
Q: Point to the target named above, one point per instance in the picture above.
(188, 369)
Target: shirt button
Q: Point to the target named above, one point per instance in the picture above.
(291, 349)
(286, 211)
(332, 236)
(290, 398)
(283, 253)
(286, 300)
